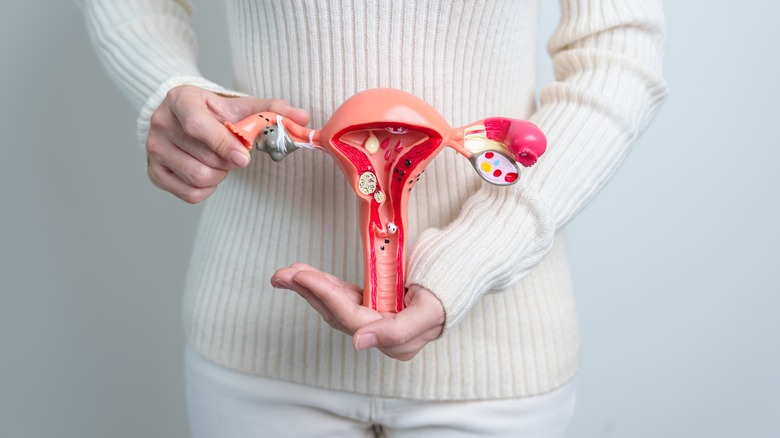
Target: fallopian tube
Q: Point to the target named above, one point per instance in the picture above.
(382, 139)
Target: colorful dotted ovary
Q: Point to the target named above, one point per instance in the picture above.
(495, 168)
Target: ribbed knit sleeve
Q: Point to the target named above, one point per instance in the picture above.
(148, 47)
(607, 57)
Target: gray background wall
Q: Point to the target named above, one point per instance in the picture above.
(675, 262)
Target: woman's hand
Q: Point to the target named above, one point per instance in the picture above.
(398, 335)
(189, 151)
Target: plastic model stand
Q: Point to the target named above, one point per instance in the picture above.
(382, 139)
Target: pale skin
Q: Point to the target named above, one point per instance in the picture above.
(398, 335)
(189, 152)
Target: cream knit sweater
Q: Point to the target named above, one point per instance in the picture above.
(489, 253)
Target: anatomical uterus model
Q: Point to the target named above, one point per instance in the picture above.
(382, 139)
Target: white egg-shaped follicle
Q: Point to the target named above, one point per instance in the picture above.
(372, 143)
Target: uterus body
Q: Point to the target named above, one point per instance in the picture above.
(382, 140)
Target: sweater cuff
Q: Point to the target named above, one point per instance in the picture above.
(157, 97)
(441, 259)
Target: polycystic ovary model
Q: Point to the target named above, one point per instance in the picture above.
(382, 139)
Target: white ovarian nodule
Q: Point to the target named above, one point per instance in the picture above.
(372, 143)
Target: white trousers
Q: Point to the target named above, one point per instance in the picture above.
(223, 403)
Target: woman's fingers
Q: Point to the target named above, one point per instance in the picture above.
(244, 106)
(188, 138)
(400, 336)
(354, 291)
(188, 168)
(410, 349)
(284, 278)
(200, 151)
(167, 180)
(197, 121)
(337, 301)
(404, 334)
